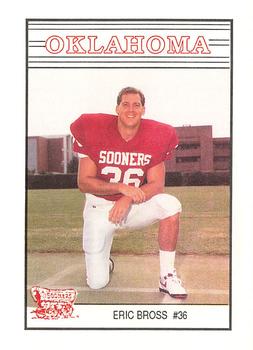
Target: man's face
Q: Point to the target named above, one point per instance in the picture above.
(130, 110)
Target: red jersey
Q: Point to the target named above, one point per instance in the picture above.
(117, 160)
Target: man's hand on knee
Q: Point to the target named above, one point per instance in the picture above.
(119, 211)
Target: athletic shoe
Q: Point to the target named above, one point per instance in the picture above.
(172, 285)
(111, 265)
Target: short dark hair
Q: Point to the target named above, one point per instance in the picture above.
(130, 90)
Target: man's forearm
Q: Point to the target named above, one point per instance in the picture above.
(97, 186)
(152, 188)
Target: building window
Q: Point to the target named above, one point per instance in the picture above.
(222, 146)
(221, 159)
(187, 159)
(183, 146)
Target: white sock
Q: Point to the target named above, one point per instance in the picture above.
(167, 261)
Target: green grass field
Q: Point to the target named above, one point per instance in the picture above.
(54, 223)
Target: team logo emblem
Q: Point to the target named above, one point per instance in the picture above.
(53, 303)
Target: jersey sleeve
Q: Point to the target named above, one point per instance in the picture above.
(164, 141)
(80, 130)
(172, 142)
(89, 132)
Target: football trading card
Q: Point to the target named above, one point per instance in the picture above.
(128, 164)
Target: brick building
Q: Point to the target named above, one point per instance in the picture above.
(221, 153)
(49, 154)
(199, 151)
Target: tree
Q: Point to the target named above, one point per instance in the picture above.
(73, 165)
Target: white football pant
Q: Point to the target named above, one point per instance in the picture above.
(98, 230)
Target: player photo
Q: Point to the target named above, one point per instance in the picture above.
(128, 174)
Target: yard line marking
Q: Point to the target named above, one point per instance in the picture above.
(52, 281)
(152, 290)
(139, 290)
(59, 275)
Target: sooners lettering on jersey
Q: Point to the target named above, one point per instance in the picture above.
(117, 160)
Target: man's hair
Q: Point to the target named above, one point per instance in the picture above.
(130, 90)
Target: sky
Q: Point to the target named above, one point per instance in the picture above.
(174, 96)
